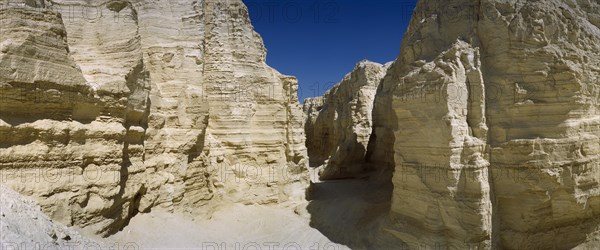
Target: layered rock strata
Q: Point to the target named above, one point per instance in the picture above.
(112, 108)
(491, 112)
(339, 123)
(490, 119)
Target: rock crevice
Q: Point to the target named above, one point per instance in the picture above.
(489, 119)
(339, 123)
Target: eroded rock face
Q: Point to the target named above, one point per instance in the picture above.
(24, 225)
(492, 114)
(112, 108)
(440, 149)
(339, 123)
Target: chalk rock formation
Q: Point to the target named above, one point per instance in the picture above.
(339, 123)
(24, 225)
(492, 114)
(111, 108)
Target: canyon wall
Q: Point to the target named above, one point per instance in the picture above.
(111, 108)
(490, 117)
(339, 123)
(492, 114)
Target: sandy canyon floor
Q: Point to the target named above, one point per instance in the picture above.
(338, 214)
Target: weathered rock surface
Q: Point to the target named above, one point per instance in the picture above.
(339, 124)
(491, 113)
(23, 225)
(111, 108)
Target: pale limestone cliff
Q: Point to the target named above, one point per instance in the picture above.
(112, 108)
(490, 117)
(339, 124)
(441, 178)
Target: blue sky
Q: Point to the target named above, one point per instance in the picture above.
(320, 41)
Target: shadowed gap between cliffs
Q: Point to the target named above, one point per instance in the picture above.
(350, 211)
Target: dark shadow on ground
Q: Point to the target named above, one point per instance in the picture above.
(351, 211)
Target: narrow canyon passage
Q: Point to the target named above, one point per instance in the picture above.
(158, 124)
